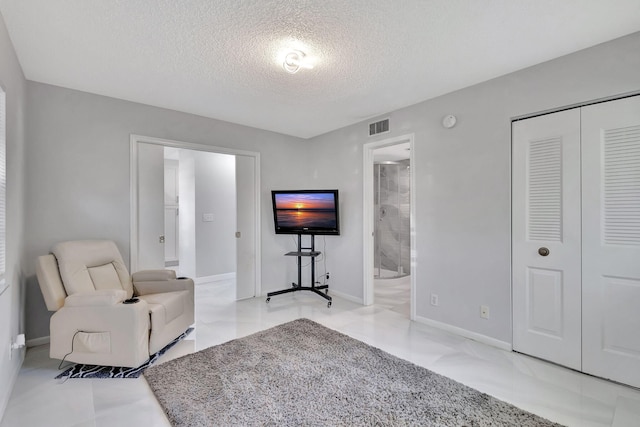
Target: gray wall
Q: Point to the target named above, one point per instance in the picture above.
(77, 183)
(462, 225)
(12, 299)
(216, 194)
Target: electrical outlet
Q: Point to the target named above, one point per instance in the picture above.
(484, 311)
(434, 300)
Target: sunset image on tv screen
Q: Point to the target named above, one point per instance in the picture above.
(306, 210)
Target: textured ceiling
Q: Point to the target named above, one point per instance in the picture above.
(220, 58)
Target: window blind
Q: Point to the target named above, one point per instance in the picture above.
(3, 187)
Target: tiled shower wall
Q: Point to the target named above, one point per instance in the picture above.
(392, 244)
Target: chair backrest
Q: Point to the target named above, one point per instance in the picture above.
(89, 265)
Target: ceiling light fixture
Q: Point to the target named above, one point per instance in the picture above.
(295, 60)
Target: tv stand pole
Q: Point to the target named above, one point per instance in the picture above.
(305, 252)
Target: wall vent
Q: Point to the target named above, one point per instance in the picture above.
(379, 127)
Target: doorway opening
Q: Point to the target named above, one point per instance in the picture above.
(388, 236)
(195, 210)
(199, 214)
(391, 186)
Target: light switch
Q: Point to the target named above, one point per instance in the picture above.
(207, 217)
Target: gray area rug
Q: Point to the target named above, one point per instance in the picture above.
(304, 374)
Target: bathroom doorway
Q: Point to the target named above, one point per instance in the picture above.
(391, 186)
(388, 230)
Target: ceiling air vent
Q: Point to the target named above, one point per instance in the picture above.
(379, 127)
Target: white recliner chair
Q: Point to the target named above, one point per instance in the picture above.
(95, 322)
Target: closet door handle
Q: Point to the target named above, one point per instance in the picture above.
(543, 251)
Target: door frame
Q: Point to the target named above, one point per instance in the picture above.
(368, 222)
(135, 140)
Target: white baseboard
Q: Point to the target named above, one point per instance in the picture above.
(37, 341)
(502, 345)
(214, 278)
(346, 296)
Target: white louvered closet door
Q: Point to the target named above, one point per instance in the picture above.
(546, 217)
(611, 240)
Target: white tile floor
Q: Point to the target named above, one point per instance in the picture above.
(556, 393)
(394, 294)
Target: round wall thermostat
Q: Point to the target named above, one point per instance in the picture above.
(449, 121)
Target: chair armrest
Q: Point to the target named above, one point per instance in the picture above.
(153, 275)
(160, 286)
(50, 282)
(104, 297)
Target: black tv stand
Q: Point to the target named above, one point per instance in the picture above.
(305, 252)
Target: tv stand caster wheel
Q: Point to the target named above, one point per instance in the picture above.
(329, 304)
(268, 299)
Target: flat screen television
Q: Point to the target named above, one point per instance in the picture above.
(306, 212)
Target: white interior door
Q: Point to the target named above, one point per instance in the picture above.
(171, 233)
(246, 214)
(546, 217)
(150, 207)
(171, 212)
(611, 237)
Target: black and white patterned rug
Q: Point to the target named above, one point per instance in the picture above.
(93, 371)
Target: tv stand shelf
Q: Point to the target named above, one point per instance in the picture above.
(305, 252)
